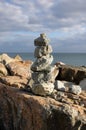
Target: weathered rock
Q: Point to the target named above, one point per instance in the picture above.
(20, 68)
(66, 73)
(83, 84)
(22, 111)
(43, 50)
(59, 85)
(80, 75)
(71, 73)
(41, 41)
(14, 81)
(3, 70)
(57, 95)
(59, 63)
(76, 89)
(67, 84)
(67, 87)
(18, 58)
(43, 88)
(38, 77)
(5, 59)
(46, 75)
(53, 73)
(42, 63)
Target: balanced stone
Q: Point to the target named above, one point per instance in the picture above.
(42, 50)
(43, 88)
(45, 75)
(42, 63)
(41, 41)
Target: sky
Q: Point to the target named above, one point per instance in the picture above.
(63, 21)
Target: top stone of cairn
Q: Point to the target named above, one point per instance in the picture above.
(42, 40)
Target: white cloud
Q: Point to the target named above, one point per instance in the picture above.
(46, 3)
(49, 15)
(12, 17)
(66, 17)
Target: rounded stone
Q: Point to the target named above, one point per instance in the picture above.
(45, 75)
(43, 88)
(42, 50)
(42, 40)
(42, 63)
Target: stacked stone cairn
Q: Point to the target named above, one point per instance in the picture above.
(42, 77)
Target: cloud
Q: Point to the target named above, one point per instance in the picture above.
(47, 15)
(76, 43)
(12, 17)
(16, 42)
(63, 20)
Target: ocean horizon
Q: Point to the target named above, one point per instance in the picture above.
(76, 59)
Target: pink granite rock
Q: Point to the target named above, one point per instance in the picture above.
(20, 68)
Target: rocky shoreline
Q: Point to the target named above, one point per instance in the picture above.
(22, 110)
(37, 96)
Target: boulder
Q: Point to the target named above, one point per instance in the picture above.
(43, 50)
(42, 88)
(20, 68)
(5, 59)
(18, 58)
(42, 63)
(24, 111)
(80, 75)
(71, 73)
(67, 84)
(76, 89)
(3, 70)
(68, 87)
(14, 81)
(59, 63)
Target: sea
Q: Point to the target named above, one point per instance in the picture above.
(76, 59)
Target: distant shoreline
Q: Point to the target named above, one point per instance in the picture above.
(76, 59)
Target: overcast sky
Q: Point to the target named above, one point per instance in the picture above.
(64, 22)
